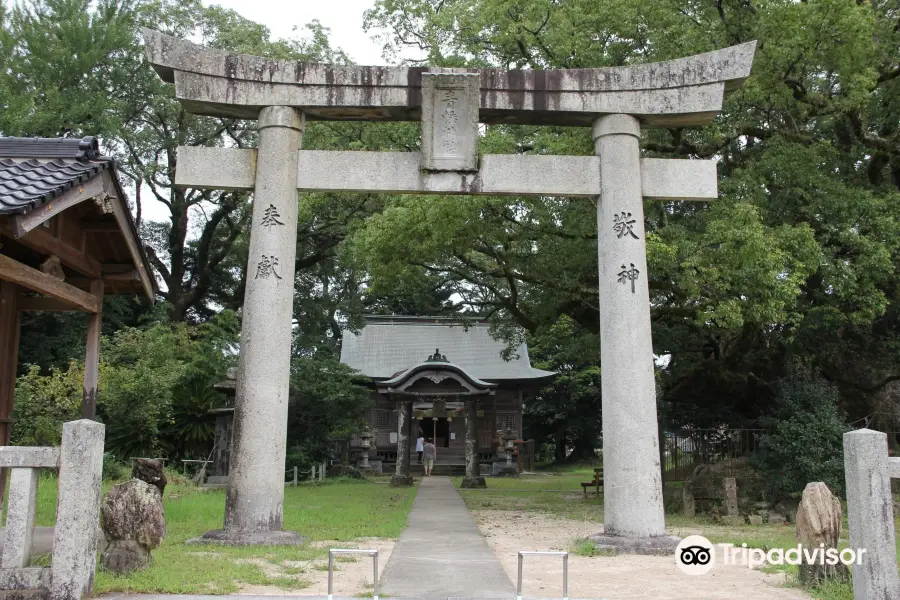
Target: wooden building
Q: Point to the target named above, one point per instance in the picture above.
(440, 366)
(66, 239)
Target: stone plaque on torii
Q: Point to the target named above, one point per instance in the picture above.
(450, 103)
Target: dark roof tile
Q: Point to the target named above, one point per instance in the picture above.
(27, 184)
(87, 148)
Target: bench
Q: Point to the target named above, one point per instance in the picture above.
(596, 483)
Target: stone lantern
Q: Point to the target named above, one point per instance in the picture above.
(506, 445)
(366, 437)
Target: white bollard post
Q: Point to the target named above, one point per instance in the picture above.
(77, 510)
(870, 515)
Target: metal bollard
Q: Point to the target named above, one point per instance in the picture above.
(565, 556)
(372, 553)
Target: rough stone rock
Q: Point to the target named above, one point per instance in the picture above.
(819, 522)
(150, 470)
(762, 505)
(763, 514)
(131, 512)
(755, 520)
(125, 556)
(734, 520)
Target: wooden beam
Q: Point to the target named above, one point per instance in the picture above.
(116, 268)
(9, 358)
(123, 218)
(34, 304)
(43, 242)
(16, 272)
(92, 356)
(75, 195)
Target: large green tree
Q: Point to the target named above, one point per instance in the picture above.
(797, 257)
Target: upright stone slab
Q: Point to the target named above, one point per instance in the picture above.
(633, 499)
(77, 510)
(870, 515)
(255, 498)
(731, 497)
(473, 478)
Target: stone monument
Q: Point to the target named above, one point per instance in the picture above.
(819, 526)
(134, 524)
(615, 102)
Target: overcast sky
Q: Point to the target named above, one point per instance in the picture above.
(343, 17)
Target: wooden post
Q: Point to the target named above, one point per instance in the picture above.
(92, 356)
(9, 355)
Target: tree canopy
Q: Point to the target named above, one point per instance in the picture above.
(794, 263)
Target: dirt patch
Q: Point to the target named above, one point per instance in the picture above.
(613, 577)
(352, 576)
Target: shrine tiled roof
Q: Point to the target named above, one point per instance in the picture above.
(387, 346)
(35, 170)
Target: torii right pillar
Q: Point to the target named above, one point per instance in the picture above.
(633, 511)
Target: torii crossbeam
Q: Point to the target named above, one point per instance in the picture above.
(450, 104)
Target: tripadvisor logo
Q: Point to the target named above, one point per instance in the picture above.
(695, 555)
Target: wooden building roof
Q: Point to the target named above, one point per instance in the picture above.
(61, 200)
(388, 346)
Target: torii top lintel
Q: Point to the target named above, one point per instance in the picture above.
(682, 92)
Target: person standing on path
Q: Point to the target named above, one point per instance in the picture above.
(430, 452)
(420, 446)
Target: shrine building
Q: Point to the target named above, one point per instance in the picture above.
(439, 365)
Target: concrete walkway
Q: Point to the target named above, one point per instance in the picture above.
(442, 554)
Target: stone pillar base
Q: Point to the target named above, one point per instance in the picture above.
(257, 538)
(474, 482)
(663, 545)
(401, 481)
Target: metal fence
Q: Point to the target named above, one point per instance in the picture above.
(684, 451)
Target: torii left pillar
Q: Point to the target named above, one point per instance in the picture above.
(255, 499)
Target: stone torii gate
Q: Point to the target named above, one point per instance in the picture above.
(450, 104)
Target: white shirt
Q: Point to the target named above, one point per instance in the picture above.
(420, 444)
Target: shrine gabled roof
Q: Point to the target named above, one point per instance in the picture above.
(388, 346)
(430, 365)
(46, 176)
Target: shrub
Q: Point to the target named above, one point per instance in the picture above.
(114, 469)
(44, 403)
(804, 438)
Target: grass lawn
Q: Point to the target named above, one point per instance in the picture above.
(334, 510)
(542, 493)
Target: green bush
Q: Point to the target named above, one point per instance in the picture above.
(804, 438)
(114, 469)
(44, 403)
